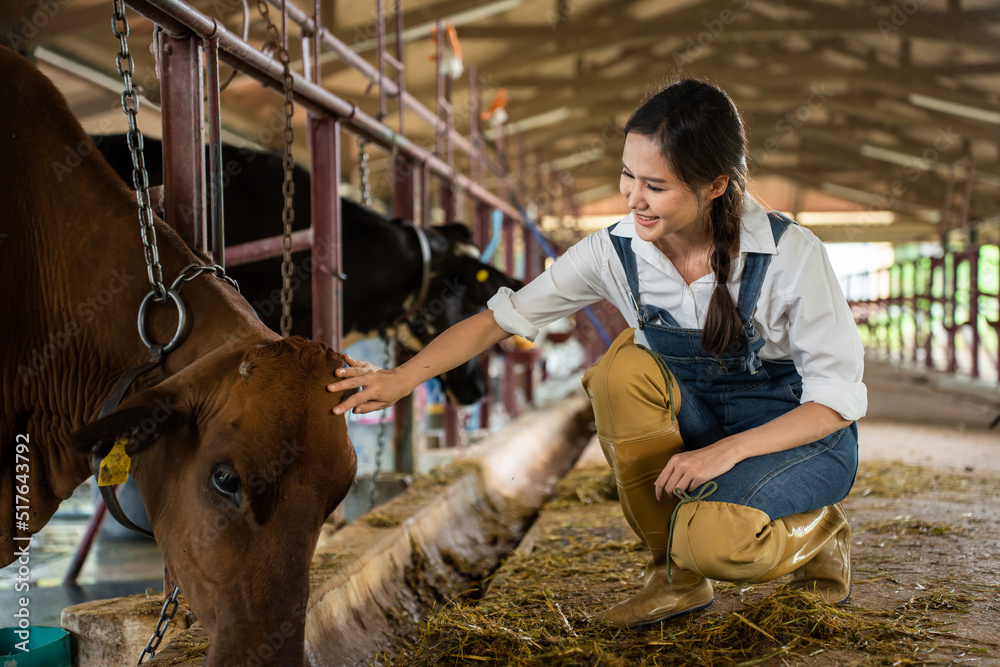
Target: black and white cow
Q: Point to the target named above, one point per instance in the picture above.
(381, 258)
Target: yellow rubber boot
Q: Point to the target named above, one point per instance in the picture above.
(668, 590)
(731, 542)
(829, 571)
(635, 406)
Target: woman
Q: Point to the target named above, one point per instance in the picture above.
(740, 382)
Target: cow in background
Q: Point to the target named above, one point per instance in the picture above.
(381, 259)
(234, 448)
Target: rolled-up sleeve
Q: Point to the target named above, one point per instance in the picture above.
(824, 340)
(573, 281)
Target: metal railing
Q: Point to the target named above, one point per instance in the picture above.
(939, 313)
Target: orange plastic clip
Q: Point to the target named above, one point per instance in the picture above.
(499, 102)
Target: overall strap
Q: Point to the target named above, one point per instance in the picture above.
(623, 246)
(756, 268)
(750, 286)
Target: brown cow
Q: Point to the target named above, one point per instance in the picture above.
(236, 453)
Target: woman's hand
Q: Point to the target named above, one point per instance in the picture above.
(689, 470)
(380, 388)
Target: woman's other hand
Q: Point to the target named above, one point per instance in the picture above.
(689, 470)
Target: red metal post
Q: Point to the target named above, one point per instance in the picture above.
(481, 227)
(398, 63)
(216, 217)
(974, 308)
(402, 207)
(380, 49)
(509, 367)
(324, 135)
(425, 195)
(952, 306)
(935, 263)
(87, 543)
(181, 94)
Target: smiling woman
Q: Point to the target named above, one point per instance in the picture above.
(727, 412)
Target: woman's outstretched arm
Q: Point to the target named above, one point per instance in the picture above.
(383, 387)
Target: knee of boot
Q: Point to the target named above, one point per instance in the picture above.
(722, 541)
(628, 392)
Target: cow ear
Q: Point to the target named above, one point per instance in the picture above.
(143, 419)
(456, 232)
(481, 280)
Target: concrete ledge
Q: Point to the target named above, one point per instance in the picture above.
(908, 393)
(114, 632)
(374, 579)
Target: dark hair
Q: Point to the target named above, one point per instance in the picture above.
(700, 134)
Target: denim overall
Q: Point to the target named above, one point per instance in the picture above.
(739, 391)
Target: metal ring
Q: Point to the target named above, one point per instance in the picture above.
(181, 332)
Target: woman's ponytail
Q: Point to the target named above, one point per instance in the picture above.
(723, 325)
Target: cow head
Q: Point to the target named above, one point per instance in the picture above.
(239, 461)
(459, 288)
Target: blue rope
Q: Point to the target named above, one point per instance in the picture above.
(491, 248)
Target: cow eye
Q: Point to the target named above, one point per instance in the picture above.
(226, 482)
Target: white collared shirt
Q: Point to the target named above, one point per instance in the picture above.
(801, 312)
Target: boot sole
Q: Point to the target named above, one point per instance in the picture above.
(646, 624)
(850, 590)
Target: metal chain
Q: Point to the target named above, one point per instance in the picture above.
(167, 613)
(140, 178)
(192, 271)
(366, 191)
(288, 186)
(383, 421)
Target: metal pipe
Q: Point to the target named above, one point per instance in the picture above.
(86, 543)
(348, 56)
(324, 134)
(974, 308)
(400, 67)
(177, 16)
(183, 119)
(216, 212)
(253, 251)
(380, 55)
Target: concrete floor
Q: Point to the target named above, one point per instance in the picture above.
(913, 418)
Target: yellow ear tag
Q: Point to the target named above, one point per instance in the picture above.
(114, 467)
(482, 275)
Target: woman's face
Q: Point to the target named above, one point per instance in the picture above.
(660, 202)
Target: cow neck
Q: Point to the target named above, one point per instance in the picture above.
(425, 273)
(386, 276)
(218, 316)
(220, 319)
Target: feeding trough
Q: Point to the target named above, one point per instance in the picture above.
(395, 565)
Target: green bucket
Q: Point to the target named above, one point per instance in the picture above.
(47, 647)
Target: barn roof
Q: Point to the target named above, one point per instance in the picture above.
(852, 106)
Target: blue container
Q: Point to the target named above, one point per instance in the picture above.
(47, 647)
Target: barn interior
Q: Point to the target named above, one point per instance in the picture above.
(875, 125)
